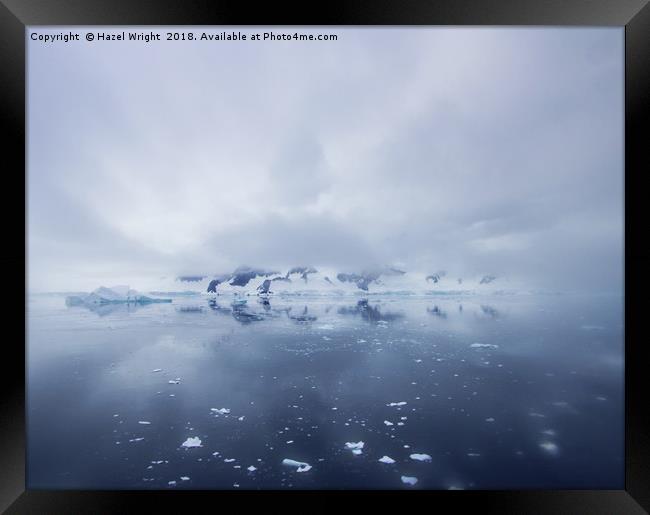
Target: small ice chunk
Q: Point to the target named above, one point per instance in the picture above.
(356, 451)
(354, 445)
(240, 418)
(185, 478)
(251, 468)
(174, 381)
(386, 459)
(136, 439)
(483, 346)
(301, 466)
(409, 480)
(144, 422)
(229, 460)
(401, 403)
(388, 422)
(220, 411)
(549, 447)
(289, 441)
(192, 441)
(157, 370)
(490, 419)
(171, 483)
(420, 457)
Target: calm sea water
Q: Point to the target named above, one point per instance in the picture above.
(502, 392)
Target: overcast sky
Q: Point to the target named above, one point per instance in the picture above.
(475, 150)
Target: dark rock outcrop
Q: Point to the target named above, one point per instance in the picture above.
(304, 271)
(190, 278)
(436, 277)
(243, 275)
(487, 279)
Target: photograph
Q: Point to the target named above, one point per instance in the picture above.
(325, 257)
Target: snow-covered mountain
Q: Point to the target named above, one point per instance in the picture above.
(246, 280)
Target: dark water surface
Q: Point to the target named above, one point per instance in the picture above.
(538, 403)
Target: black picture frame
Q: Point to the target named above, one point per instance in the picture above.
(634, 15)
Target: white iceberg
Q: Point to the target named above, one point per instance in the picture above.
(420, 457)
(192, 441)
(301, 466)
(409, 480)
(386, 459)
(113, 295)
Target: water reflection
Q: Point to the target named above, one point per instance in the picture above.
(303, 317)
(369, 313)
(436, 311)
(496, 405)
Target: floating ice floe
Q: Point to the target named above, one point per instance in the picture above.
(185, 478)
(174, 381)
(483, 346)
(401, 403)
(388, 422)
(171, 483)
(229, 460)
(220, 411)
(490, 419)
(144, 422)
(157, 370)
(409, 480)
(251, 468)
(420, 457)
(354, 445)
(386, 459)
(549, 447)
(192, 441)
(136, 439)
(301, 466)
